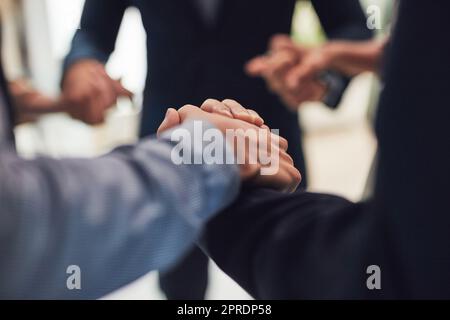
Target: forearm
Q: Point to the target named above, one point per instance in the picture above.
(99, 26)
(116, 217)
(280, 246)
(352, 58)
(341, 20)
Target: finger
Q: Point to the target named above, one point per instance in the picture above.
(280, 42)
(277, 70)
(286, 179)
(120, 90)
(238, 111)
(283, 143)
(276, 182)
(307, 69)
(310, 91)
(101, 89)
(106, 93)
(297, 75)
(94, 113)
(249, 172)
(277, 67)
(259, 121)
(295, 178)
(208, 105)
(215, 106)
(171, 120)
(190, 111)
(256, 66)
(275, 140)
(279, 62)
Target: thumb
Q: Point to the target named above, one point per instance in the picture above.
(171, 120)
(299, 74)
(120, 90)
(280, 42)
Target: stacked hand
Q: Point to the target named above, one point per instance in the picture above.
(88, 91)
(291, 71)
(230, 115)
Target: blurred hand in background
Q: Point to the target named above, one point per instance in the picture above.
(88, 91)
(279, 66)
(295, 72)
(30, 103)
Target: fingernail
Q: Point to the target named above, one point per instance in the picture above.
(167, 116)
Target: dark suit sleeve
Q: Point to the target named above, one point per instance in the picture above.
(303, 245)
(314, 246)
(343, 19)
(98, 31)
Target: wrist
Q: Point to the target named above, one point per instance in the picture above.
(329, 54)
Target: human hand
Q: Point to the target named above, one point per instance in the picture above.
(29, 103)
(291, 71)
(285, 178)
(88, 91)
(232, 109)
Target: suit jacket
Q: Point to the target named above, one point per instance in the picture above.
(320, 246)
(189, 61)
(116, 217)
(8, 112)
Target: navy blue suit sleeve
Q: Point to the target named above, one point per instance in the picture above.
(342, 19)
(96, 38)
(303, 245)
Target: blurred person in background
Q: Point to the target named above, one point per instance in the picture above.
(189, 44)
(28, 102)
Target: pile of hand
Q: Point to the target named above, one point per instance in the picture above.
(295, 72)
(291, 71)
(230, 115)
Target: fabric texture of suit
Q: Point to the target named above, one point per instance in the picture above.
(319, 246)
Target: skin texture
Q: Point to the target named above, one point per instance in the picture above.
(279, 66)
(293, 71)
(352, 58)
(88, 91)
(229, 114)
(29, 103)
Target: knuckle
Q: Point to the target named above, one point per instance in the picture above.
(211, 101)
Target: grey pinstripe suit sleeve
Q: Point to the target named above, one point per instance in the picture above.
(116, 217)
